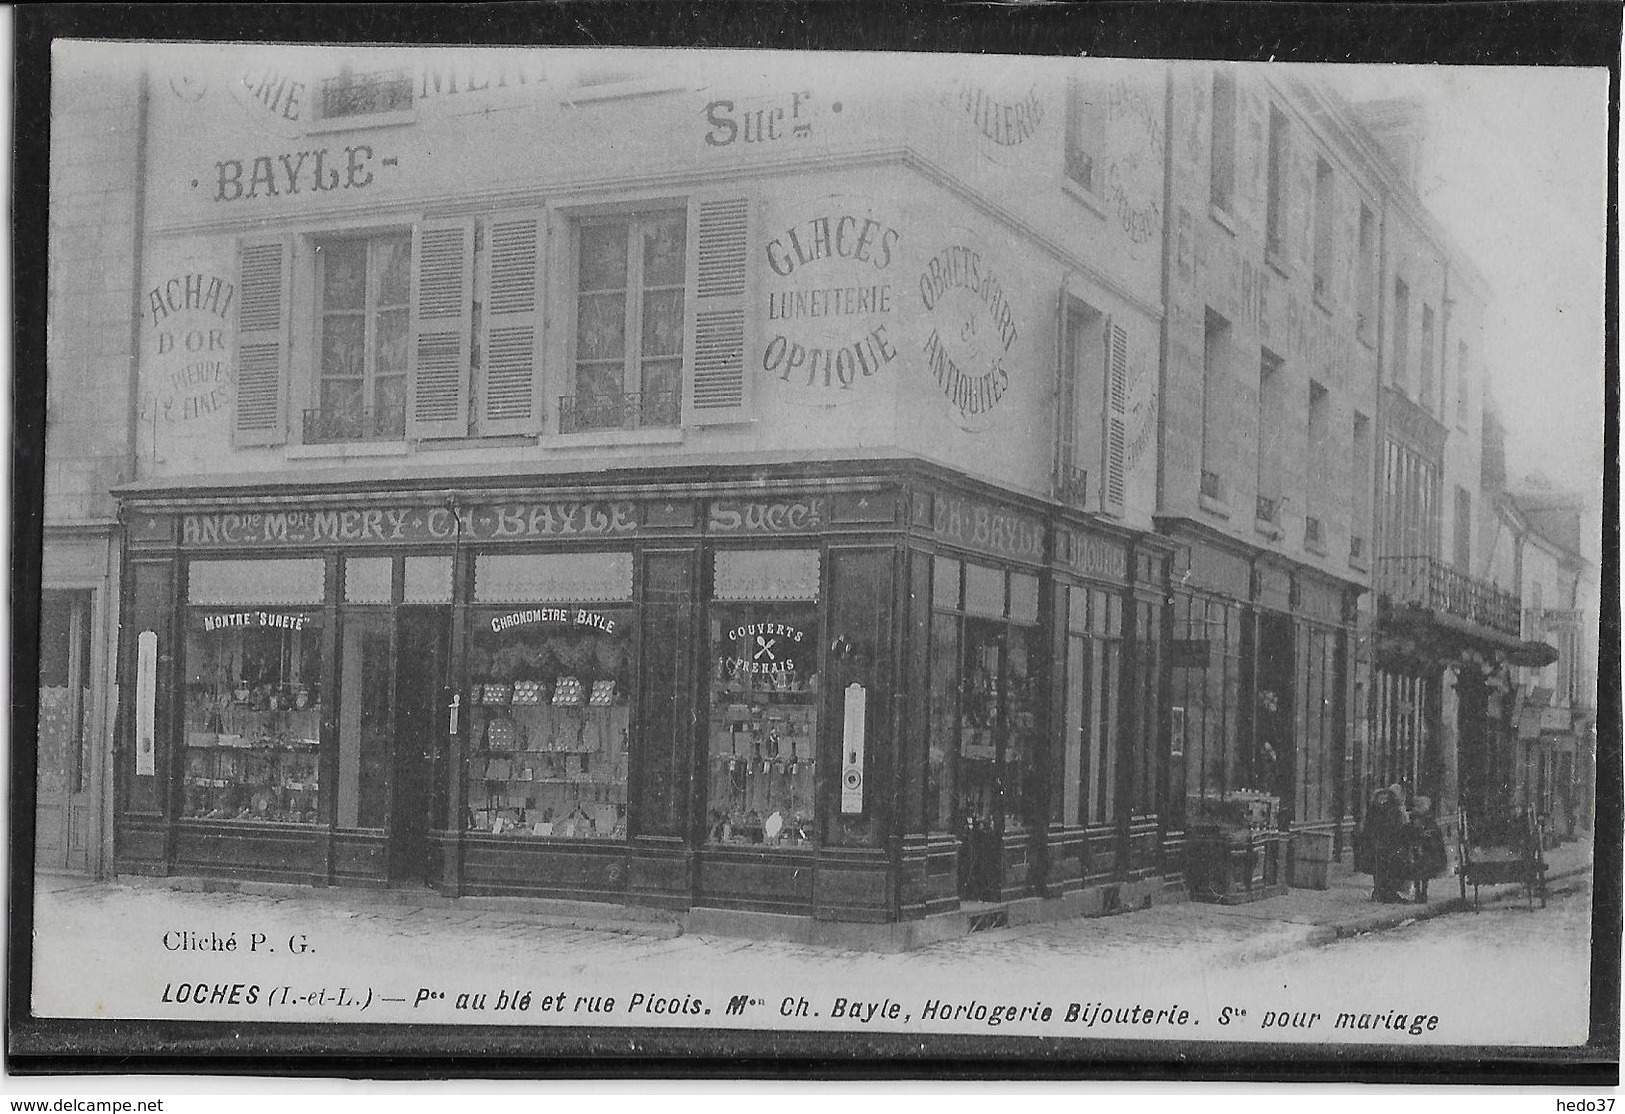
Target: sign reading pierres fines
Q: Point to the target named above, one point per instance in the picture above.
(409, 524)
(981, 527)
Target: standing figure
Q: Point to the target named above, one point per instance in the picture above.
(1383, 836)
(1425, 847)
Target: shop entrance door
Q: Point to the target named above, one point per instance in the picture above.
(65, 807)
(422, 645)
(981, 766)
(1275, 763)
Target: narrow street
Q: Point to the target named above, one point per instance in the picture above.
(1194, 971)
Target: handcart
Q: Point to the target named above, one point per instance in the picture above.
(1522, 860)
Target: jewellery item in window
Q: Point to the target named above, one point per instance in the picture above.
(498, 694)
(527, 692)
(568, 693)
(603, 694)
(500, 734)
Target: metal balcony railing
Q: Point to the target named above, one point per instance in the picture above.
(381, 423)
(648, 410)
(1072, 486)
(1430, 583)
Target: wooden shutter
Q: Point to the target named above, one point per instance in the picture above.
(260, 412)
(1066, 411)
(1114, 443)
(442, 301)
(719, 384)
(509, 375)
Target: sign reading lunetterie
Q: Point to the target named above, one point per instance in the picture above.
(384, 525)
(828, 316)
(987, 529)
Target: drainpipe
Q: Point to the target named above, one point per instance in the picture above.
(1169, 248)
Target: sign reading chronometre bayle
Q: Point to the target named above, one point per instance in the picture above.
(830, 299)
(967, 328)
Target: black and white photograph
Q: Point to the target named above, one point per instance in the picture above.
(714, 552)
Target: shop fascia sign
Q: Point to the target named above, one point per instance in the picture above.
(987, 529)
(255, 620)
(384, 525)
(575, 617)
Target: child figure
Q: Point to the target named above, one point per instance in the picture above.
(1426, 845)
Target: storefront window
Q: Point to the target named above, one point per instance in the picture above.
(549, 714)
(762, 764)
(253, 714)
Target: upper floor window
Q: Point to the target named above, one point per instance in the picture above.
(628, 359)
(1364, 315)
(365, 92)
(1424, 389)
(435, 330)
(1085, 134)
(1324, 208)
(1402, 341)
(1461, 384)
(364, 290)
(1275, 186)
(1222, 171)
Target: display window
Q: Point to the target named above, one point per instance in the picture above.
(549, 706)
(764, 724)
(984, 740)
(764, 685)
(253, 714)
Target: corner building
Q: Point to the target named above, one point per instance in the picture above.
(689, 482)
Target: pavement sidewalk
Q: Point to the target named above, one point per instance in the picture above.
(1185, 932)
(1310, 918)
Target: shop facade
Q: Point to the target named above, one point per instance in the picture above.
(830, 693)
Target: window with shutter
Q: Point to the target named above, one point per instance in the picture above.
(1114, 462)
(363, 322)
(720, 384)
(442, 300)
(260, 416)
(631, 295)
(511, 326)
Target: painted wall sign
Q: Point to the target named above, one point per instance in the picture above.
(258, 620)
(1004, 116)
(576, 617)
(829, 314)
(189, 322)
(969, 328)
(286, 173)
(502, 521)
(740, 516)
(981, 527)
(763, 120)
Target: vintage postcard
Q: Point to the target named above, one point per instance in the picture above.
(719, 546)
